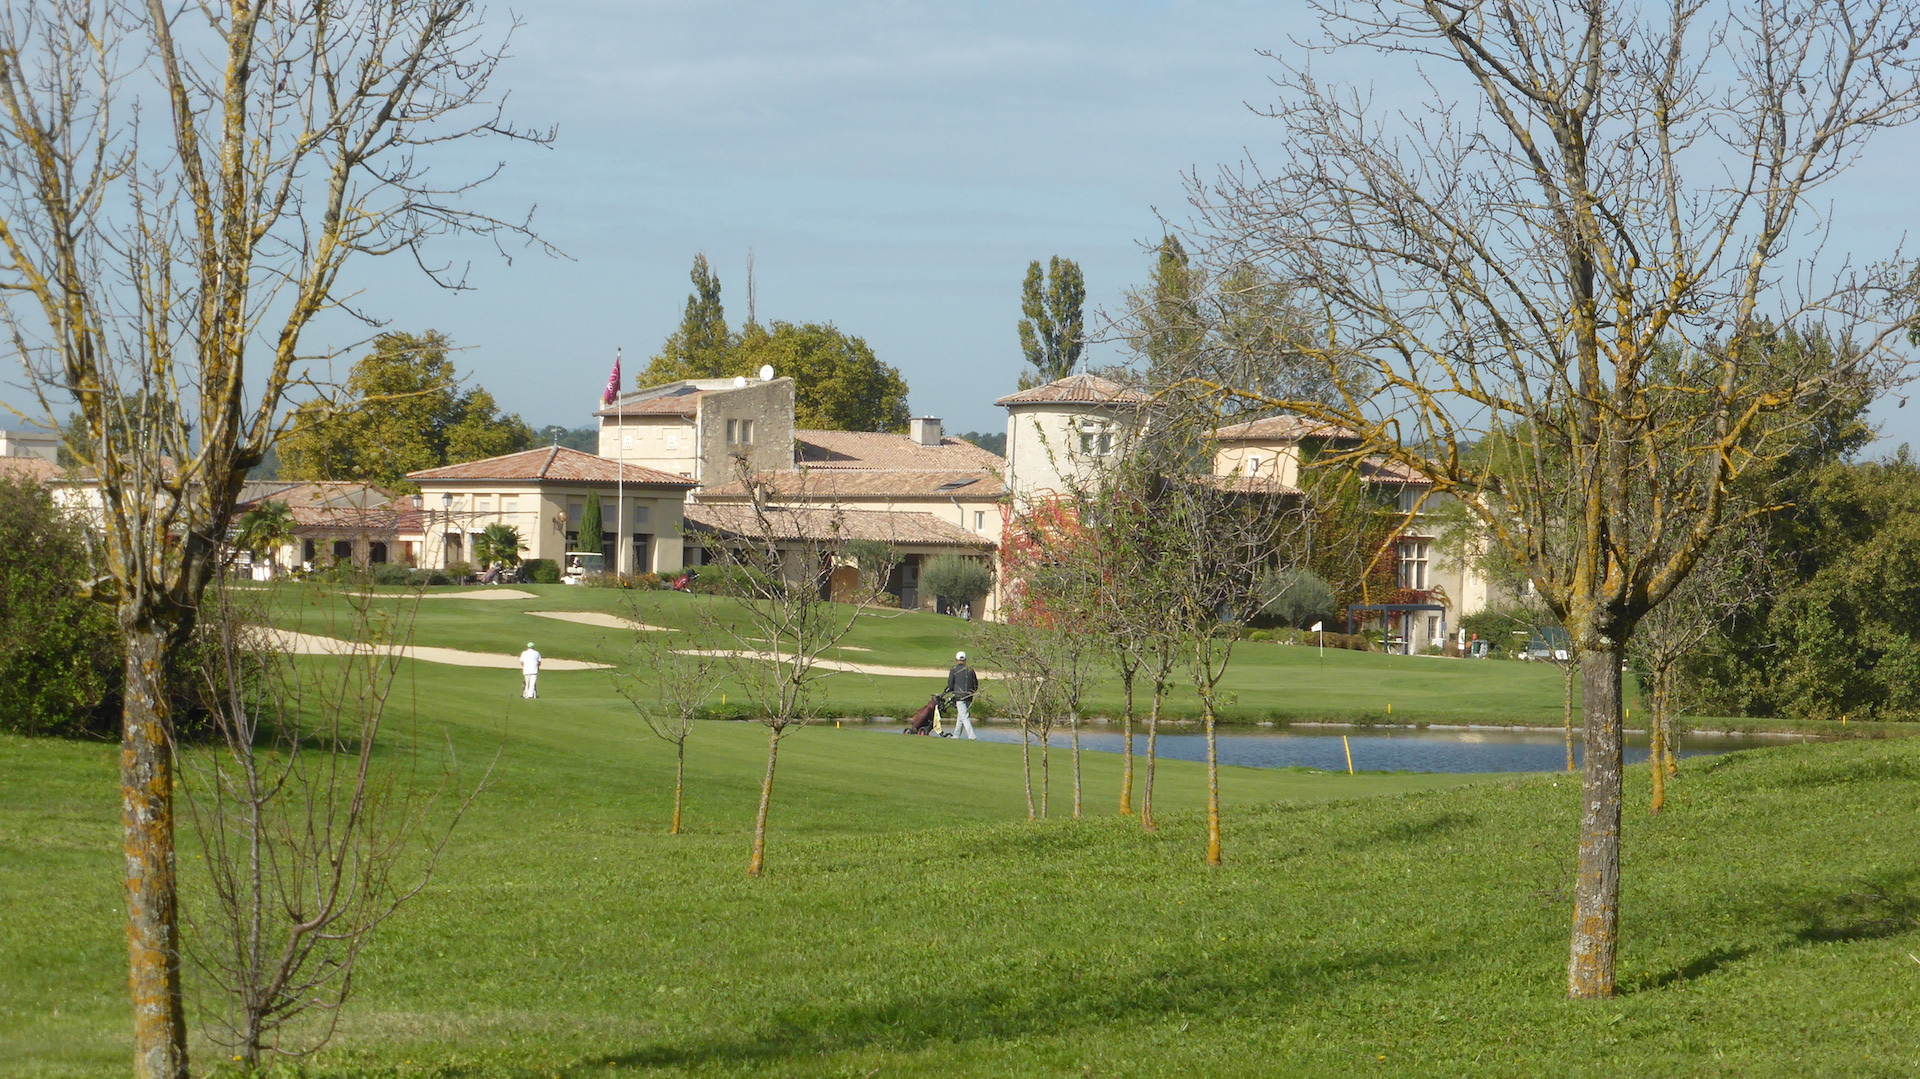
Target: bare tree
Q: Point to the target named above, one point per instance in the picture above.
(1588, 184)
(1029, 655)
(784, 557)
(312, 829)
(673, 676)
(184, 185)
(1730, 577)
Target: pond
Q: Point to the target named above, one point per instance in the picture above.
(1382, 750)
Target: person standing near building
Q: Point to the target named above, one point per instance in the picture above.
(530, 671)
(962, 684)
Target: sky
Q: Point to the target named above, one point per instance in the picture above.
(891, 166)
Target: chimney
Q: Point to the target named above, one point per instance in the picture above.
(924, 430)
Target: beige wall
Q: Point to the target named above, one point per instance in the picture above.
(759, 417)
(667, 443)
(535, 510)
(1276, 460)
(1045, 457)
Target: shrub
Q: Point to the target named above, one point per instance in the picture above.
(392, 573)
(540, 571)
(956, 578)
(1259, 635)
(1296, 598)
(459, 571)
(627, 581)
(60, 665)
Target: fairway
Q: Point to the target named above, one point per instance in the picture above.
(913, 923)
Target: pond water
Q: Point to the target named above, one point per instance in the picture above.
(1382, 750)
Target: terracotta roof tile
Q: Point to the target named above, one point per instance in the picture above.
(874, 450)
(1081, 388)
(1282, 427)
(666, 405)
(1248, 485)
(829, 484)
(549, 464)
(30, 469)
(790, 523)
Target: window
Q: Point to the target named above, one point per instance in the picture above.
(509, 504)
(746, 432)
(733, 431)
(979, 520)
(954, 485)
(641, 513)
(1096, 440)
(1413, 563)
(1410, 499)
(1253, 465)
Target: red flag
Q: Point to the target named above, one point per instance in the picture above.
(613, 382)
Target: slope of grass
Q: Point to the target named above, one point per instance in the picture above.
(913, 926)
(1265, 682)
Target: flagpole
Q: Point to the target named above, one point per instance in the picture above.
(620, 487)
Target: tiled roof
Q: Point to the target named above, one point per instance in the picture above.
(668, 405)
(30, 469)
(873, 450)
(1080, 388)
(1281, 427)
(1248, 485)
(336, 505)
(829, 484)
(549, 464)
(1383, 470)
(790, 523)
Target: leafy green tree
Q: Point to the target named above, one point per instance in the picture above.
(403, 411)
(700, 347)
(59, 652)
(591, 526)
(1052, 329)
(498, 543)
(956, 578)
(264, 528)
(839, 385)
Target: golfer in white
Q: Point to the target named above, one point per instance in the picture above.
(530, 670)
(962, 684)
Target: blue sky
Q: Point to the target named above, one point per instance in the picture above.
(893, 167)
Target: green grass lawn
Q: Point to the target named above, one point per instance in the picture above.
(1265, 682)
(913, 923)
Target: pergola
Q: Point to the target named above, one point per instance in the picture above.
(1406, 641)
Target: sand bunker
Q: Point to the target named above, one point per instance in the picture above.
(832, 664)
(595, 618)
(308, 644)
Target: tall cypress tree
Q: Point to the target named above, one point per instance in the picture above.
(1052, 333)
(590, 539)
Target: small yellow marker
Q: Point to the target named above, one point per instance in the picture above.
(1349, 748)
(1389, 707)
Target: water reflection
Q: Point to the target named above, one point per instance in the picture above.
(1376, 750)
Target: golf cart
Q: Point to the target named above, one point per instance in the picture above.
(582, 565)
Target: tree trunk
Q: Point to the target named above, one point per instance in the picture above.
(1046, 777)
(1566, 702)
(759, 860)
(1213, 785)
(146, 816)
(1596, 891)
(1146, 789)
(1073, 722)
(1026, 767)
(1126, 755)
(679, 782)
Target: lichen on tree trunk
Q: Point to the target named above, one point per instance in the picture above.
(153, 920)
(1596, 893)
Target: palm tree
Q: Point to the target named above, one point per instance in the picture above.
(262, 529)
(498, 543)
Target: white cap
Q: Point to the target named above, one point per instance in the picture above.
(959, 655)
(529, 644)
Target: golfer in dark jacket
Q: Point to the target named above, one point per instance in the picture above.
(962, 684)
